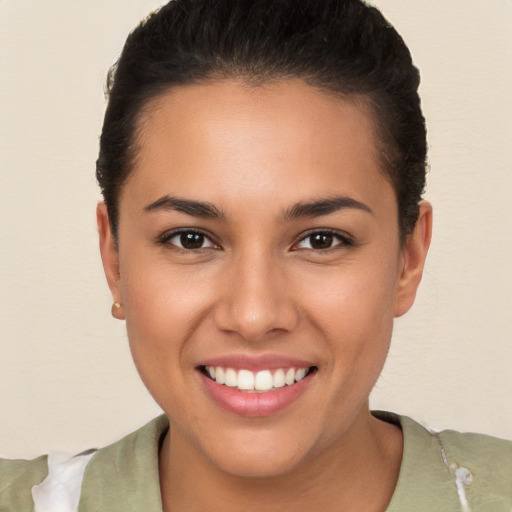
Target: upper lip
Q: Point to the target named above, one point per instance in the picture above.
(256, 362)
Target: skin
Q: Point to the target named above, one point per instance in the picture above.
(257, 287)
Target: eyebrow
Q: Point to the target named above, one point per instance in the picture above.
(322, 207)
(188, 206)
(300, 210)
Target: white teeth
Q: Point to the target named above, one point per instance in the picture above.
(300, 374)
(289, 377)
(231, 378)
(219, 375)
(245, 380)
(261, 381)
(278, 379)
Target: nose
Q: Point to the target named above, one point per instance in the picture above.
(257, 302)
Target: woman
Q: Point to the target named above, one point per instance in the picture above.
(262, 165)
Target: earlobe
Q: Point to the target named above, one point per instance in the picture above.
(109, 252)
(414, 253)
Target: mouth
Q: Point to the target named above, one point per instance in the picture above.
(262, 381)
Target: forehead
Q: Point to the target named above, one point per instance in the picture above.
(225, 140)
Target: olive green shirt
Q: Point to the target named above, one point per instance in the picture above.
(445, 472)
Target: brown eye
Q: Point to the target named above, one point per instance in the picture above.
(323, 240)
(188, 240)
(192, 240)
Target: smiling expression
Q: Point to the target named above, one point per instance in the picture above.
(260, 268)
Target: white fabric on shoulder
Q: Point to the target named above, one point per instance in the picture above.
(60, 490)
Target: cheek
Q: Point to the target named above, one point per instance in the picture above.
(354, 308)
(163, 308)
(159, 296)
(355, 294)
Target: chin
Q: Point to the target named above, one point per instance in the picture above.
(261, 454)
(258, 466)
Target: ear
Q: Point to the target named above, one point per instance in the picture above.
(109, 253)
(414, 252)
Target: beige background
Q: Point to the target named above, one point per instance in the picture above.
(66, 377)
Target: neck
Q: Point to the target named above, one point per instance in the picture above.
(358, 472)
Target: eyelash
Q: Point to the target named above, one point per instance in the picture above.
(343, 240)
(166, 238)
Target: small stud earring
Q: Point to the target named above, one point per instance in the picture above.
(117, 311)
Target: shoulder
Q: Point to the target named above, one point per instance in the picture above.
(483, 450)
(484, 466)
(16, 480)
(489, 458)
(124, 476)
(451, 470)
(120, 477)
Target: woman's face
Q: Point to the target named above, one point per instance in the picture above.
(259, 245)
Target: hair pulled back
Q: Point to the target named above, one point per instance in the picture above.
(343, 46)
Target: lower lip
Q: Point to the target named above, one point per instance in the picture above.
(254, 404)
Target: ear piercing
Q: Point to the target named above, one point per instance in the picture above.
(117, 311)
